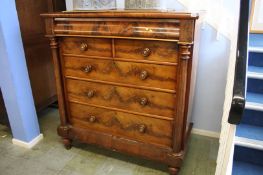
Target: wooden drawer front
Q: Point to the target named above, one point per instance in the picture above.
(157, 76)
(87, 46)
(135, 127)
(130, 99)
(118, 28)
(147, 50)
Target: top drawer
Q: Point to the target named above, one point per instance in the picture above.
(161, 51)
(87, 46)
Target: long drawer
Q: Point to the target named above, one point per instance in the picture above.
(148, 75)
(134, 127)
(124, 98)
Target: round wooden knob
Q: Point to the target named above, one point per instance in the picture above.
(146, 52)
(88, 69)
(143, 101)
(144, 75)
(92, 119)
(83, 47)
(142, 128)
(90, 93)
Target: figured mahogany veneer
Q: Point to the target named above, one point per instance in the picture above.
(135, 127)
(140, 74)
(147, 50)
(118, 28)
(86, 46)
(125, 98)
(123, 80)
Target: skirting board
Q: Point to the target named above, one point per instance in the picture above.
(30, 144)
(205, 133)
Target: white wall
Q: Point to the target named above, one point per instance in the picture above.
(211, 75)
(211, 71)
(211, 80)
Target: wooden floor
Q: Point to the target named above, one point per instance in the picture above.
(50, 158)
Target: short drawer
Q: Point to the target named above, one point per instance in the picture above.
(148, 75)
(124, 98)
(87, 46)
(161, 51)
(134, 127)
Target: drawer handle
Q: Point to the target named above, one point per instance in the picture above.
(144, 75)
(146, 52)
(88, 69)
(91, 93)
(92, 119)
(83, 47)
(142, 128)
(143, 101)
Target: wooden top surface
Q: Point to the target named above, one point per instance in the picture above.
(155, 14)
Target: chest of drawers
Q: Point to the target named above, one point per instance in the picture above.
(123, 80)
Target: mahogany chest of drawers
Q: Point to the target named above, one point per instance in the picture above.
(123, 80)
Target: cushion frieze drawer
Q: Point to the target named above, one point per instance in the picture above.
(131, 99)
(111, 27)
(86, 46)
(137, 74)
(160, 51)
(145, 129)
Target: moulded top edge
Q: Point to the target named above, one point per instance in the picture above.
(156, 14)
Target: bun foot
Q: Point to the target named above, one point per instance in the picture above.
(67, 143)
(173, 171)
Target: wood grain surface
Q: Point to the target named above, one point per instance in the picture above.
(36, 48)
(148, 75)
(159, 50)
(94, 46)
(157, 103)
(121, 124)
(79, 26)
